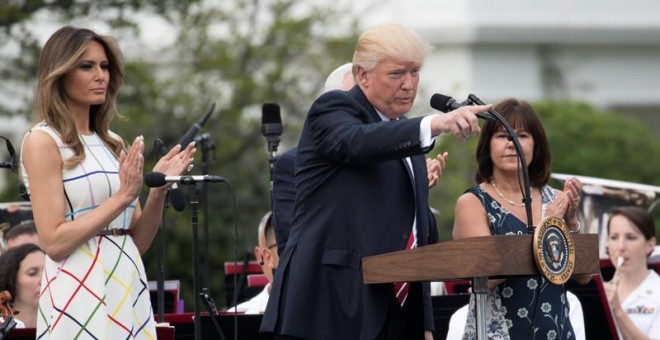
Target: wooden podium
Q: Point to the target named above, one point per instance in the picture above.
(477, 258)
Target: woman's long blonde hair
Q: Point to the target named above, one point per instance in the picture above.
(61, 53)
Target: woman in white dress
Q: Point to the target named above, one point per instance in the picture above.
(84, 184)
(634, 291)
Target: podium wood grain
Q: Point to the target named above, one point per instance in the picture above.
(484, 256)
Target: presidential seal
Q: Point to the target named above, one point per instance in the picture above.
(554, 251)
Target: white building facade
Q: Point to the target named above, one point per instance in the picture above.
(606, 52)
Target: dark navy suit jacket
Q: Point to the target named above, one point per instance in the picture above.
(284, 196)
(355, 198)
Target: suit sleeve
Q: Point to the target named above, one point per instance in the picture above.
(284, 197)
(345, 131)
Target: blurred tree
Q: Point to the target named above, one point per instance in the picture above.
(238, 54)
(584, 141)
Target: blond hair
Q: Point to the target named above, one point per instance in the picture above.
(389, 41)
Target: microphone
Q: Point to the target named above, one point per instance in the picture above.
(176, 194)
(11, 165)
(271, 125)
(444, 103)
(189, 136)
(158, 179)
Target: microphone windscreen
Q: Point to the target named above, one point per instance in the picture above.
(177, 199)
(154, 179)
(440, 102)
(270, 114)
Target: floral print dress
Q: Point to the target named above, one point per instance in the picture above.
(525, 307)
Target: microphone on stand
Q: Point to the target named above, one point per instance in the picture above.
(11, 165)
(271, 128)
(176, 194)
(158, 179)
(192, 132)
(271, 125)
(444, 103)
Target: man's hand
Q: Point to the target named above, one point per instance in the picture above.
(461, 122)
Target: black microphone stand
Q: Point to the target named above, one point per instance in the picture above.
(527, 197)
(160, 277)
(203, 141)
(194, 205)
(213, 311)
(197, 292)
(272, 148)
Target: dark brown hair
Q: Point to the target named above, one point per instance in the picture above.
(26, 227)
(639, 217)
(10, 263)
(520, 115)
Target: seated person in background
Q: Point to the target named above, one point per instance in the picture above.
(266, 254)
(457, 320)
(24, 232)
(20, 274)
(634, 292)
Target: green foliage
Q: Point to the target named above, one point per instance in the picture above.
(594, 143)
(238, 54)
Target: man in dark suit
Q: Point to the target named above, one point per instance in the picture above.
(284, 188)
(362, 189)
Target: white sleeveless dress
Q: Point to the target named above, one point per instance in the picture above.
(100, 291)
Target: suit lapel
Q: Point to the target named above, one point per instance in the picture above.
(373, 117)
(410, 173)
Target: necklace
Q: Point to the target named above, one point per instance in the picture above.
(504, 198)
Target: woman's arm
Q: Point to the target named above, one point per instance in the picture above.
(470, 220)
(625, 325)
(43, 164)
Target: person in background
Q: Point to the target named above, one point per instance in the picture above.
(634, 291)
(361, 190)
(494, 207)
(20, 274)
(340, 78)
(24, 232)
(266, 254)
(84, 183)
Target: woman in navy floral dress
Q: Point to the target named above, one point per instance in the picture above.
(521, 307)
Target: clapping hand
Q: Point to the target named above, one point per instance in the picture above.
(567, 202)
(176, 161)
(131, 164)
(434, 167)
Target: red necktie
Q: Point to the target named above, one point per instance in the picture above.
(401, 288)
